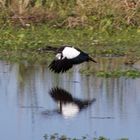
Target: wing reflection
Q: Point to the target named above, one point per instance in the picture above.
(68, 105)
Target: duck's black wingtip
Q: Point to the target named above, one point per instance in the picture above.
(60, 66)
(54, 68)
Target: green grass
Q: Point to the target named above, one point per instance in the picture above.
(22, 43)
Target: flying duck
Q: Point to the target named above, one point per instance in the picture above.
(66, 57)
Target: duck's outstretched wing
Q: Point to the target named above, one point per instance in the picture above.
(63, 96)
(59, 94)
(60, 66)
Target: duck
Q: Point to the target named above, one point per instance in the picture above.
(66, 57)
(68, 106)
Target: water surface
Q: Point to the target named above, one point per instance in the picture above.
(28, 111)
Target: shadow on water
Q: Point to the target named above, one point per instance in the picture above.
(68, 105)
(30, 94)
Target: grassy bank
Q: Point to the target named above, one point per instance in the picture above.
(24, 43)
(99, 27)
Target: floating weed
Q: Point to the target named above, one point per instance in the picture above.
(103, 138)
(123, 139)
(56, 136)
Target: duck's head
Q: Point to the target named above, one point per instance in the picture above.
(59, 56)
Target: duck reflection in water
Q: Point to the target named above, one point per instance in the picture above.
(68, 106)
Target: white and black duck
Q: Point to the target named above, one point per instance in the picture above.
(66, 57)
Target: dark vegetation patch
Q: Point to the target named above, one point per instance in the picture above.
(56, 136)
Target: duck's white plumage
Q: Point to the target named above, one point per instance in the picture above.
(70, 52)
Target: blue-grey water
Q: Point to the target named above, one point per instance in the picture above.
(28, 112)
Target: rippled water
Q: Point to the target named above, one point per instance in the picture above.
(93, 106)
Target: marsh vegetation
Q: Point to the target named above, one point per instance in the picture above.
(100, 27)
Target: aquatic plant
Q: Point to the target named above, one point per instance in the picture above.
(119, 73)
(56, 136)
